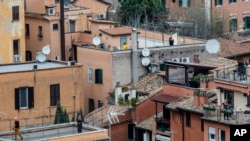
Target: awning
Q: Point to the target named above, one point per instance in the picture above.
(165, 98)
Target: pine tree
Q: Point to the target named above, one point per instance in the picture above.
(59, 114)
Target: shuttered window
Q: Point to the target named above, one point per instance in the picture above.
(98, 76)
(15, 13)
(54, 94)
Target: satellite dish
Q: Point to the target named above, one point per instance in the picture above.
(212, 46)
(96, 41)
(145, 61)
(145, 52)
(40, 57)
(46, 50)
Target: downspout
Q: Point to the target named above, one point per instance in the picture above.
(62, 30)
(183, 131)
(107, 13)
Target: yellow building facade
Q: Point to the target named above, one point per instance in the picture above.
(12, 32)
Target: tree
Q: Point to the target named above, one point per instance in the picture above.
(61, 116)
(137, 13)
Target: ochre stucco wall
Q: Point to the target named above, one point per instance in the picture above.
(11, 30)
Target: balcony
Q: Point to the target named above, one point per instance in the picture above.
(238, 117)
(40, 36)
(162, 125)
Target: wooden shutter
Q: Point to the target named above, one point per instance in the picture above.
(31, 97)
(180, 3)
(98, 76)
(17, 106)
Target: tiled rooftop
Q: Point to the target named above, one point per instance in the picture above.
(146, 124)
(230, 48)
(125, 30)
(221, 63)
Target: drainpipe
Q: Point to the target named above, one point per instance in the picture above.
(134, 57)
(62, 30)
(107, 18)
(183, 130)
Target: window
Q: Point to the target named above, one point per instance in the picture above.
(232, 1)
(40, 32)
(218, 2)
(15, 47)
(100, 103)
(188, 119)
(15, 13)
(90, 75)
(246, 21)
(98, 76)
(91, 105)
(222, 136)
(248, 100)
(55, 27)
(211, 134)
(233, 25)
(27, 30)
(24, 98)
(57, 1)
(184, 3)
(54, 94)
(72, 26)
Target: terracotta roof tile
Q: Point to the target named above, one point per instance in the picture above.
(230, 48)
(125, 30)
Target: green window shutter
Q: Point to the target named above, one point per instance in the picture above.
(189, 3)
(17, 106)
(98, 76)
(180, 3)
(31, 97)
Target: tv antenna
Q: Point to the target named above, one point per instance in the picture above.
(213, 46)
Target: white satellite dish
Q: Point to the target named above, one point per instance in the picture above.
(96, 41)
(40, 57)
(145, 61)
(212, 46)
(145, 52)
(46, 50)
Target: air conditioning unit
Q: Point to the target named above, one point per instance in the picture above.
(71, 63)
(101, 16)
(175, 59)
(17, 58)
(185, 59)
(51, 11)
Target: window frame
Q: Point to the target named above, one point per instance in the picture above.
(40, 32)
(71, 27)
(232, 1)
(218, 2)
(188, 2)
(54, 94)
(90, 75)
(29, 92)
(233, 24)
(55, 27)
(98, 76)
(15, 13)
(246, 21)
(16, 47)
(220, 135)
(27, 30)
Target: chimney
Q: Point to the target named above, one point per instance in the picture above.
(134, 57)
(216, 73)
(118, 91)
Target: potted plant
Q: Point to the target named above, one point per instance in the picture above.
(209, 108)
(133, 102)
(120, 100)
(226, 111)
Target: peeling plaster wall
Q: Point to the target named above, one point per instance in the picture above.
(11, 30)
